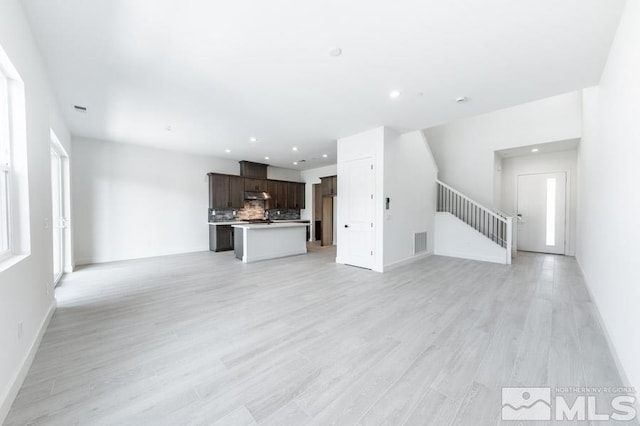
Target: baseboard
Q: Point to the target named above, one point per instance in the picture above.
(407, 261)
(462, 255)
(621, 370)
(92, 260)
(21, 374)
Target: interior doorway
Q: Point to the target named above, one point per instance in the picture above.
(327, 221)
(59, 209)
(541, 212)
(317, 212)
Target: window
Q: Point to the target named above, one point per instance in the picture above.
(5, 170)
(15, 241)
(551, 212)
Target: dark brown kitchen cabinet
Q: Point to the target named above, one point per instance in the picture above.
(329, 186)
(253, 170)
(255, 184)
(295, 195)
(225, 192)
(283, 195)
(218, 191)
(220, 237)
(301, 195)
(236, 192)
(278, 192)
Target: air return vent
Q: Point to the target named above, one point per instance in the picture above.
(419, 242)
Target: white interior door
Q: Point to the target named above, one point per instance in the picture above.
(541, 207)
(358, 240)
(57, 221)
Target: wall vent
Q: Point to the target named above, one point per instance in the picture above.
(419, 242)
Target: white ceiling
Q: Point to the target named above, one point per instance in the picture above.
(541, 148)
(220, 72)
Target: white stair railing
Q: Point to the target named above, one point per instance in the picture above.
(493, 225)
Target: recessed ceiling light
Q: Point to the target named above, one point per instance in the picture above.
(335, 51)
(266, 158)
(461, 99)
(535, 150)
(324, 155)
(295, 148)
(394, 94)
(227, 150)
(253, 139)
(295, 163)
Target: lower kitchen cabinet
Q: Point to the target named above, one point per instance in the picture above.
(220, 237)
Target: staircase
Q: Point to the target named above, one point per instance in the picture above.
(465, 228)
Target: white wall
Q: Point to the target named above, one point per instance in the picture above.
(131, 201)
(464, 149)
(23, 286)
(455, 238)
(410, 182)
(311, 177)
(609, 199)
(543, 163)
(405, 172)
(279, 173)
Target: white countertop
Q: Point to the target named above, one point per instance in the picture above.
(274, 225)
(241, 222)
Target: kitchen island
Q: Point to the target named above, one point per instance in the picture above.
(261, 241)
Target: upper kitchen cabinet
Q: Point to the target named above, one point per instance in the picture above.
(253, 170)
(255, 184)
(278, 192)
(329, 185)
(295, 195)
(225, 192)
(236, 192)
(218, 191)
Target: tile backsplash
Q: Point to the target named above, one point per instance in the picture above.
(253, 210)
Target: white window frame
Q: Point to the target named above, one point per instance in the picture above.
(13, 166)
(6, 246)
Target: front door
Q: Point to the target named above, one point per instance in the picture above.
(358, 242)
(541, 212)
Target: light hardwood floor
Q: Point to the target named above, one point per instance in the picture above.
(205, 339)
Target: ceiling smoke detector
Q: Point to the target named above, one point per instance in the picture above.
(335, 51)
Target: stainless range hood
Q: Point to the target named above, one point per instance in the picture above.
(256, 195)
